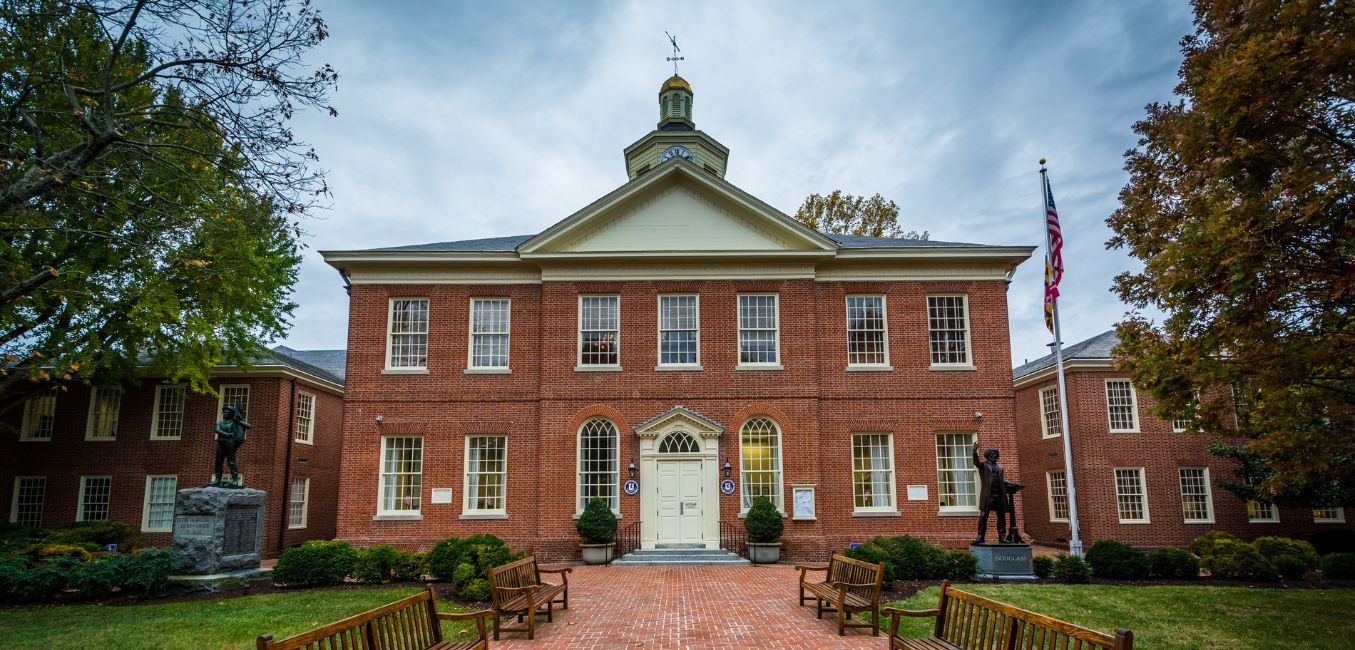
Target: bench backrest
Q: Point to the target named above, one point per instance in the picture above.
(971, 621)
(406, 624)
(844, 569)
(514, 575)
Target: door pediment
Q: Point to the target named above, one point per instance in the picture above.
(679, 418)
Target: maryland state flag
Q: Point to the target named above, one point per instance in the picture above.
(1053, 260)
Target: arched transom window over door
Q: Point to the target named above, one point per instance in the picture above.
(679, 442)
(597, 462)
(760, 461)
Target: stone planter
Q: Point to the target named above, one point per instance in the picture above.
(768, 553)
(597, 553)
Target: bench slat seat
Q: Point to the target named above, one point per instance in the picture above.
(516, 589)
(412, 623)
(849, 586)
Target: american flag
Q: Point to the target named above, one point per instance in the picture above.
(1053, 261)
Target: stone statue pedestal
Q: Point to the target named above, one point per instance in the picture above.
(218, 529)
(1004, 561)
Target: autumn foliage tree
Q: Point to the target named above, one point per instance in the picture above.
(845, 214)
(1240, 206)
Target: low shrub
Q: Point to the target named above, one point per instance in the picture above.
(15, 538)
(314, 563)
(97, 534)
(43, 580)
(466, 561)
(1239, 561)
(1113, 560)
(904, 558)
(763, 522)
(45, 551)
(475, 591)
(409, 565)
(1204, 545)
(597, 523)
(1339, 566)
(1273, 547)
(375, 564)
(147, 571)
(963, 565)
(1333, 540)
(98, 577)
(1289, 567)
(1044, 566)
(873, 553)
(1073, 570)
(1173, 563)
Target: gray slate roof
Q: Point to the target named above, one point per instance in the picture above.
(331, 361)
(509, 244)
(1096, 347)
(862, 241)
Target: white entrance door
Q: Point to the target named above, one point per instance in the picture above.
(680, 511)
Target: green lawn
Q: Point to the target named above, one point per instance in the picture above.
(197, 624)
(1178, 617)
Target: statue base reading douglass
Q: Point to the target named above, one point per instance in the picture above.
(1004, 561)
(218, 529)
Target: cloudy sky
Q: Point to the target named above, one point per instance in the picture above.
(467, 120)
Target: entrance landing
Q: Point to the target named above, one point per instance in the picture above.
(702, 607)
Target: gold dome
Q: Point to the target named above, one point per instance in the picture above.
(676, 82)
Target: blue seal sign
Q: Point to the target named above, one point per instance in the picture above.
(631, 487)
(727, 486)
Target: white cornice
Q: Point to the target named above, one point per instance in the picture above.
(1068, 364)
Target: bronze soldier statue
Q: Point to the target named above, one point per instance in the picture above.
(230, 434)
(992, 494)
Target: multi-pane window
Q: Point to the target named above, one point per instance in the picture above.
(407, 342)
(1130, 498)
(1179, 426)
(1260, 511)
(1121, 406)
(948, 328)
(104, 404)
(489, 327)
(296, 505)
(27, 507)
(760, 461)
(867, 342)
(236, 395)
(872, 472)
(599, 330)
(759, 322)
(1057, 481)
(401, 474)
(486, 466)
(167, 415)
(1196, 504)
(39, 416)
(305, 418)
(158, 513)
(598, 463)
(1329, 515)
(1050, 424)
(956, 476)
(679, 331)
(94, 497)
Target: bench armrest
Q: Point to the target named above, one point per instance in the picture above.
(919, 613)
(812, 566)
(479, 617)
(560, 570)
(517, 590)
(848, 585)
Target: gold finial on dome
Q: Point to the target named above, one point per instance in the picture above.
(676, 82)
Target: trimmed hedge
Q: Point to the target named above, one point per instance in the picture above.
(597, 523)
(315, 563)
(1289, 567)
(1239, 561)
(93, 536)
(962, 565)
(410, 565)
(1117, 561)
(465, 562)
(375, 564)
(1274, 547)
(144, 572)
(904, 558)
(1173, 563)
(1339, 566)
(1044, 566)
(1073, 570)
(1205, 545)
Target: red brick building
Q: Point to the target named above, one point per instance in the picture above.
(1139, 479)
(84, 453)
(683, 328)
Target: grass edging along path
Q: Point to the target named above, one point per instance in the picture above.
(199, 623)
(1176, 616)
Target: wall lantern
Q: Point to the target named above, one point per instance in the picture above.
(727, 470)
(631, 469)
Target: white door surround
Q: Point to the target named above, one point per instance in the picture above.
(679, 479)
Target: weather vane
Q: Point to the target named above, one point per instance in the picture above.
(675, 58)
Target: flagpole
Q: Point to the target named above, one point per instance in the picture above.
(1074, 537)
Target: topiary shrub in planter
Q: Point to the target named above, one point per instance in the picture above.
(1205, 544)
(597, 527)
(1073, 570)
(1274, 547)
(1173, 563)
(315, 563)
(1240, 561)
(1339, 566)
(764, 526)
(375, 564)
(1113, 560)
(1044, 566)
(962, 565)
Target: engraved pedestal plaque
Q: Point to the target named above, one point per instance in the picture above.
(1004, 561)
(218, 529)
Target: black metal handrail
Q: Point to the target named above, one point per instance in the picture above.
(734, 538)
(627, 540)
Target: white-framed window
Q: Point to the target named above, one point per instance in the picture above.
(26, 507)
(1180, 426)
(233, 395)
(956, 477)
(401, 475)
(104, 406)
(1197, 501)
(873, 472)
(759, 329)
(297, 505)
(95, 493)
(600, 331)
(157, 512)
(490, 324)
(1057, 483)
(39, 416)
(167, 413)
(1329, 515)
(1122, 406)
(598, 462)
(1130, 498)
(486, 471)
(1261, 512)
(867, 331)
(760, 461)
(679, 330)
(948, 330)
(305, 418)
(1051, 426)
(407, 334)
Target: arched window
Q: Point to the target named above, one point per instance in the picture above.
(597, 462)
(679, 442)
(760, 461)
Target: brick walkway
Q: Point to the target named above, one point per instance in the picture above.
(687, 607)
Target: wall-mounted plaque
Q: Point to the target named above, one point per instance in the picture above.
(802, 502)
(242, 531)
(441, 495)
(917, 493)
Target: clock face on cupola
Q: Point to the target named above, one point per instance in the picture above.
(676, 150)
(676, 136)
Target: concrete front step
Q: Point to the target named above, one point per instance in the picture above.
(680, 557)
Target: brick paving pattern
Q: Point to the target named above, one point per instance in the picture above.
(687, 607)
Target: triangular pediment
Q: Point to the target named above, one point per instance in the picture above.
(677, 208)
(679, 418)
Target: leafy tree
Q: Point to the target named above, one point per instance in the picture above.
(150, 188)
(845, 214)
(1239, 206)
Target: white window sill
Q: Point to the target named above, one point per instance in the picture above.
(49, 439)
(1136, 522)
(405, 371)
(876, 513)
(89, 439)
(870, 368)
(952, 367)
(488, 371)
(804, 518)
(409, 517)
(1123, 431)
(678, 368)
(157, 530)
(155, 439)
(958, 513)
(498, 515)
(1058, 521)
(1263, 521)
(301, 527)
(303, 442)
(583, 368)
(1051, 437)
(769, 366)
(1205, 522)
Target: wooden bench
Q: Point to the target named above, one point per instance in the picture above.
(516, 589)
(407, 624)
(848, 586)
(965, 621)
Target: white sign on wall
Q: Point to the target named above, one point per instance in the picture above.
(917, 493)
(802, 502)
(442, 495)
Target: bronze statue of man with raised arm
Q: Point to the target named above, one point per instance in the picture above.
(992, 494)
